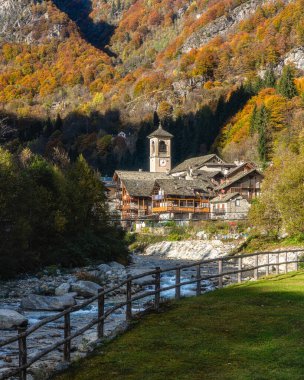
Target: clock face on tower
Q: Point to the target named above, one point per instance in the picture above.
(162, 162)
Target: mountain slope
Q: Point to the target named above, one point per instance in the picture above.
(109, 65)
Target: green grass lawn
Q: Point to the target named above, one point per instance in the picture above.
(249, 331)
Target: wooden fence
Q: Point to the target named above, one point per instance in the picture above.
(289, 257)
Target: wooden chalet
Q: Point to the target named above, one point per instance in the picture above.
(246, 183)
(181, 199)
(133, 193)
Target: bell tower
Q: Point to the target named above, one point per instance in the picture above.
(160, 150)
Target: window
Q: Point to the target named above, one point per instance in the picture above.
(152, 147)
(237, 202)
(162, 147)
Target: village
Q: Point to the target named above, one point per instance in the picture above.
(200, 188)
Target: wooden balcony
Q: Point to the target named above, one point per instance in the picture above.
(180, 209)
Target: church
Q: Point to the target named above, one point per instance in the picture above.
(199, 188)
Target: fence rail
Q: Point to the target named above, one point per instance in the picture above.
(290, 257)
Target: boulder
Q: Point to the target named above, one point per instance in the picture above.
(116, 266)
(86, 288)
(11, 319)
(62, 289)
(104, 268)
(36, 302)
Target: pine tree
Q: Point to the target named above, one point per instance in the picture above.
(286, 85)
(270, 79)
(58, 123)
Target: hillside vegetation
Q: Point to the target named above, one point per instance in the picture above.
(248, 331)
(107, 66)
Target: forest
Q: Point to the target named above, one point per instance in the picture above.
(53, 213)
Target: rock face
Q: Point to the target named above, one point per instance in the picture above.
(36, 302)
(11, 319)
(222, 25)
(296, 57)
(86, 288)
(190, 249)
(20, 22)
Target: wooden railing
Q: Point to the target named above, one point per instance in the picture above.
(290, 257)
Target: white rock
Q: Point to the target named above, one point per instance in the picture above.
(36, 302)
(105, 268)
(11, 319)
(62, 289)
(115, 265)
(85, 288)
(190, 249)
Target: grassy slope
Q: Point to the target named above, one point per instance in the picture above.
(250, 331)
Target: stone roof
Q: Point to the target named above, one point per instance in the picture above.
(222, 198)
(243, 165)
(140, 175)
(138, 183)
(178, 187)
(160, 132)
(194, 163)
(207, 173)
(237, 178)
(139, 187)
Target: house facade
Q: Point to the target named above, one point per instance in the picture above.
(231, 206)
(179, 199)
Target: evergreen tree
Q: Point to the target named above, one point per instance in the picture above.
(58, 123)
(155, 119)
(48, 128)
(286, 85)
(270, 79)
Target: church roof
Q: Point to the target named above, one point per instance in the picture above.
(160, 132)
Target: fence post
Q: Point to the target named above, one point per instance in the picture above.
(198, 279)
(286, 262)
(101, 302)
(177, 282)
(220, 271)
(297, 261)
(256, 263)
(22, 352)
(67, 333)
(157, 289)
(267, 264)
(129, 298)
(240, 268)
(277, 264)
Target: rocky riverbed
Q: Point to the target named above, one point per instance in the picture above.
(34, 297)
(38, 297)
